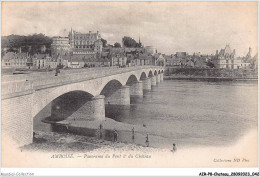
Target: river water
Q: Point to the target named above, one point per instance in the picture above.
(191, 113)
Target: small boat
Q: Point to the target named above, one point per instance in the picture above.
(21, 71)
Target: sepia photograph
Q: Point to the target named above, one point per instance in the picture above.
(129, 84)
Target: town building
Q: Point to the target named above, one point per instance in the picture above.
(42, 61)
(150, 50)
(247, 62)
(16, 60)
(118, 59)
(145, 59)
(76, 63)
(159, 60)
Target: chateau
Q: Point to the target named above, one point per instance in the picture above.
(78, 43)
(225, 58)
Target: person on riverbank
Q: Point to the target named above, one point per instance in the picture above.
(57, 71)
(100, 130)
(174, 149)
(115, 135)
(147, 140)
(133, 133)
(34, 138)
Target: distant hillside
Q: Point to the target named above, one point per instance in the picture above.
(31, 43)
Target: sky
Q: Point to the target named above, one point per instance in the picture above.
(168, 26)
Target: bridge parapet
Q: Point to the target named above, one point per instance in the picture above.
(67, 78)
(14, 87)
(48, 80)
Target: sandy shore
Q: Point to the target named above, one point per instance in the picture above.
(52, 141)
(40, 154)
(66, 142)
(107, 124)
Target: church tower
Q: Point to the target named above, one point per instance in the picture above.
(140, 44)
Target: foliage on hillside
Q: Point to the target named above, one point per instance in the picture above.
(130, 42)
(31, 43)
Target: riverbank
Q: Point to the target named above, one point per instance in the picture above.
(82, 135)
(210, 74)
(128, 155)
(67, 142)
(204, 78)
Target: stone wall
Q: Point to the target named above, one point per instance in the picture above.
(17, 122)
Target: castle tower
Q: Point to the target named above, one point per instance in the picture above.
(98, 47)
(249, 54)
(250, 51)
(123, 43)
(71, 38)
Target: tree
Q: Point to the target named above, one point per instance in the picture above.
(104, 42)
(129, 42)
(194, 60)
(210, 64)
(117, 45)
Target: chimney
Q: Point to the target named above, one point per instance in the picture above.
(216, 52)
(89, 32)
(97, 32)
(234, 51)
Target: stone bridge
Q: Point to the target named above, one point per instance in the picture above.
(24, 96)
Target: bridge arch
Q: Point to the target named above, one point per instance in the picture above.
(111, 87)
(143, 76)
(150, 74)
(131, 80)
(40, 101)
(66, 104)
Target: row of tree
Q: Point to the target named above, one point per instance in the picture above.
(31, 44)
(127, 42)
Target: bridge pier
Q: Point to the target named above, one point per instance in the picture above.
(120, 97)
(98, 108)
(158, 78)
(137, 89)
(91, 110)
(147, 84)
(153, 79)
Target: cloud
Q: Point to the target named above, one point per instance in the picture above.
(169, 26)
